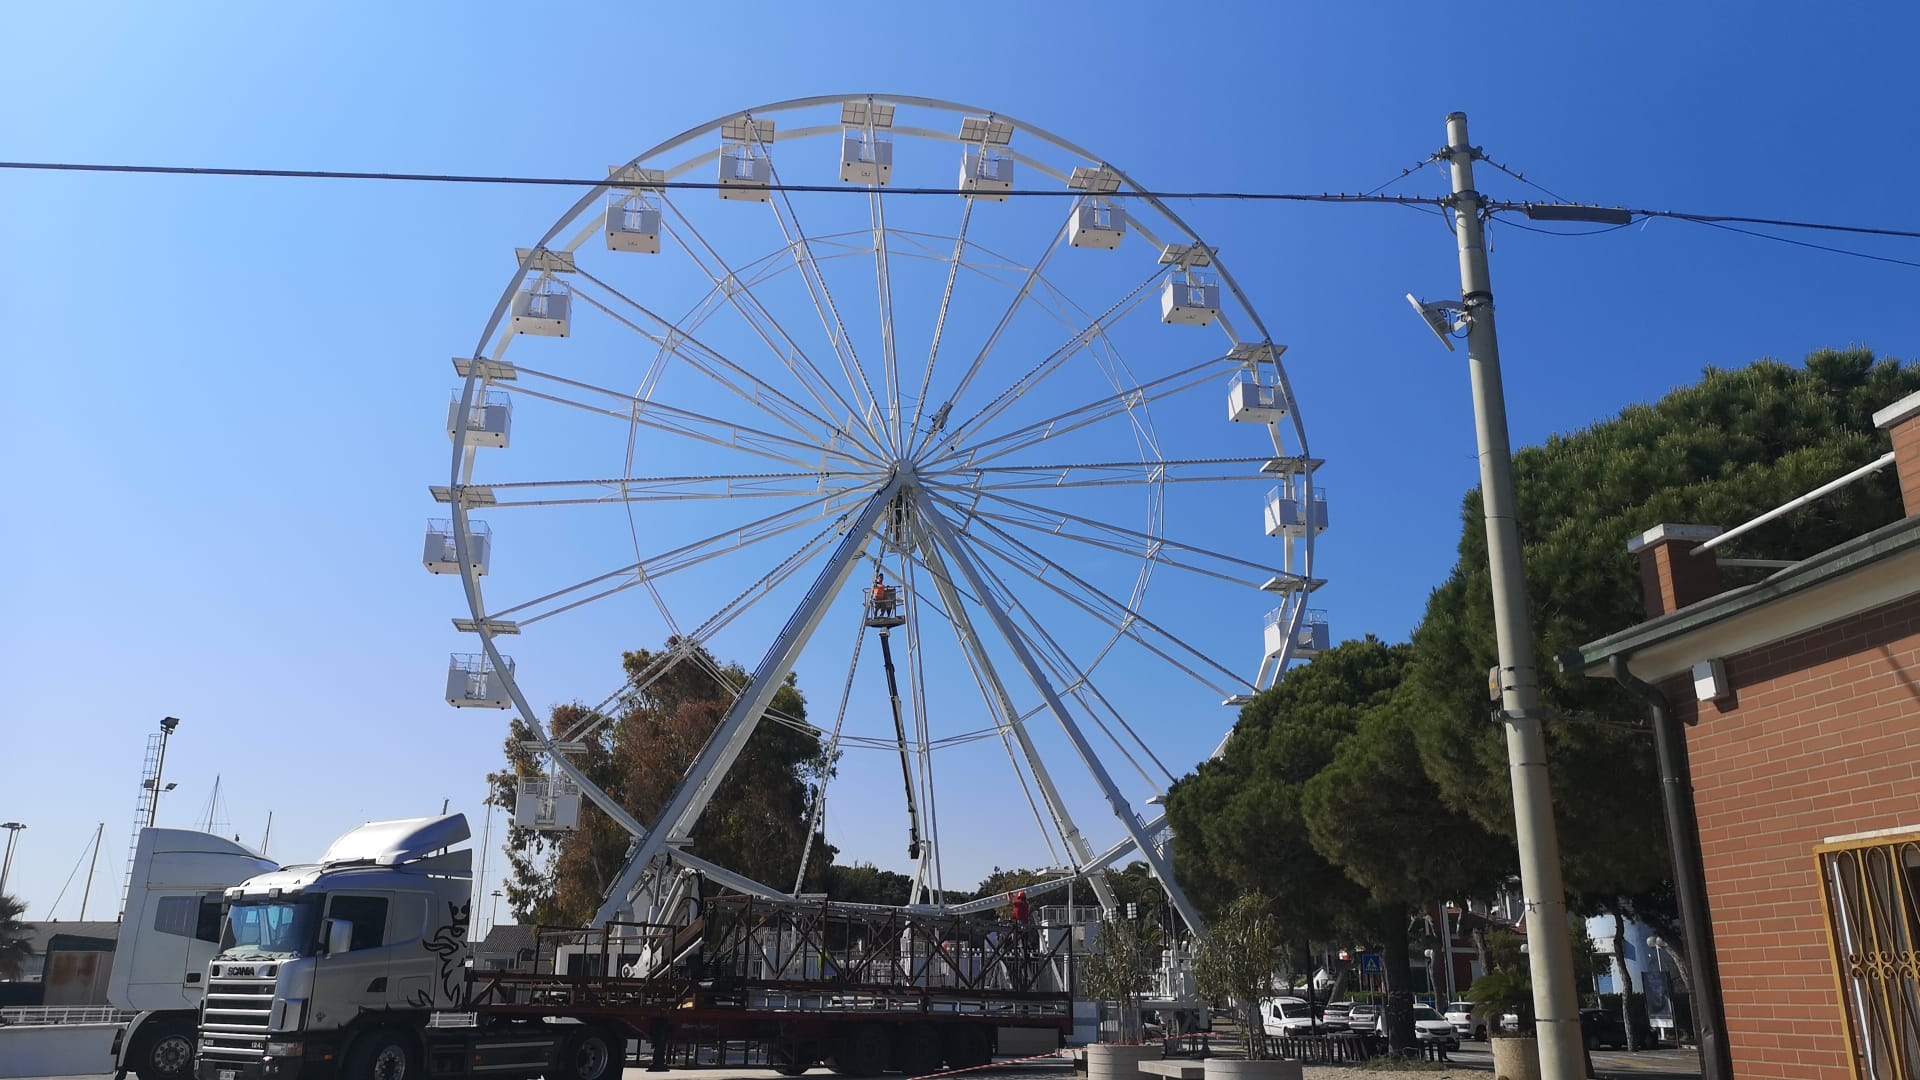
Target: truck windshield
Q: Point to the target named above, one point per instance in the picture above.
(257, 928)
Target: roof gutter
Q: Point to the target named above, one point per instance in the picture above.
(1689, 871)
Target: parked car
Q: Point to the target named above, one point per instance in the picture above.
(1286, 1016)
(1429, 1027)
(1603, 1027)
(1363, 1017)
(1460, 1015)
(1334, 1016)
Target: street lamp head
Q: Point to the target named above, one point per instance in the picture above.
(1444, 317)
(168, 723)
(14, 825)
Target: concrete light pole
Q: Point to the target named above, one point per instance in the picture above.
(13, 833)
(1556, 1008)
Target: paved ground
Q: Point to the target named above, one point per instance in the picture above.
(1471, 1062)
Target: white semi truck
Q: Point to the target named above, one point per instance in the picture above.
(168, 934)
(358, 966)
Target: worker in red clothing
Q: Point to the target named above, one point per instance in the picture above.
(1022, 918)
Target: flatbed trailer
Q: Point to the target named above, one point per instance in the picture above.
(861, 991)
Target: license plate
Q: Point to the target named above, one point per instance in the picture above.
(229, 1074)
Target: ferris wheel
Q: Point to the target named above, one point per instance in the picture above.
(924, 402)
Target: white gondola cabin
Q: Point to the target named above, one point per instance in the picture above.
(986, 174)
(1097, 225)
(633, 224)
(542, 309)
(489, 421)
(1190, 299)
(744, 174)
(439, 555)
(1309, 642)
(1251, 401)
(865, 159)
(1288, 514)
(474, 683)
(547, 804)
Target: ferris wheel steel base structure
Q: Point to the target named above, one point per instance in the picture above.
(940, 483)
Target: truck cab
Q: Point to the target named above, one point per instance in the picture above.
(314, 960)
(169, 932)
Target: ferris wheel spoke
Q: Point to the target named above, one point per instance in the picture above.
(727, 542)
(1109, 474)
(1034, 276)
(830, 320)
(1087, 334)
(883, 275)
(1077, 680)
(940, 321)
(705, 360)
(1092, 412)
(1108, 609)
(1126, 541)
(943, 535)
(659, 416)
(747, 305)
(644, 489)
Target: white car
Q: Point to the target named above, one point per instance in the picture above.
(1428, 1026)
(1460, 1015)
(1286, 1016)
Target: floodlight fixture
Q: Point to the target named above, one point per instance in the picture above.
(1444, 317)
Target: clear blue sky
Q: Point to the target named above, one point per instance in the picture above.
(225, 396)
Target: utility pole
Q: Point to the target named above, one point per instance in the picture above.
(1555, 1006)
(13, 833)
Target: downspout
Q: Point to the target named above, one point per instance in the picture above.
(1689, 874)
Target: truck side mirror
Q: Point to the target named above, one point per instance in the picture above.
(339, 936)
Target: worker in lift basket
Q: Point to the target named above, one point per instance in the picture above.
(884, 599)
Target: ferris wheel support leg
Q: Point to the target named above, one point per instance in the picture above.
(1156, 861)
(970, 639)
(698, 786)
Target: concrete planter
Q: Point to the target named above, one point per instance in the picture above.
(1118, 1061)
(1515, 1057)
(1234, 1069)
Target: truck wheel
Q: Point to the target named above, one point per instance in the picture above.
(917, 1050)
(381, 1055)
(166, 1054)
(787, 1059)
(592, 1055)
(860, 1051)
(969, 1046)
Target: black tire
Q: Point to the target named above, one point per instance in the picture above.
(592, 1054)
(917, 1050)
(969, 1046)
(787, 1058)
(381, 1054)
(166, 1052)
(860, 1051)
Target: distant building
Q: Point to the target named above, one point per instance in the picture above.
(67, 964)
(1800, 700)
(507, 947)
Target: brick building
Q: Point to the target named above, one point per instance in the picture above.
(1800, 699)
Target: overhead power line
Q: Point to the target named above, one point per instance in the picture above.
(1718, 220)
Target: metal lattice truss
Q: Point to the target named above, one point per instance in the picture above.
(765, 399)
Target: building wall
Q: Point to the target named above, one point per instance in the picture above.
(1821, 739)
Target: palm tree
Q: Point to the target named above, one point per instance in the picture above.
(14, 948)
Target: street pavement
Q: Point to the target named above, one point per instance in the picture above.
(1470, 1061)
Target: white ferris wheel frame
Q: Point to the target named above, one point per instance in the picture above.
(940, 549)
